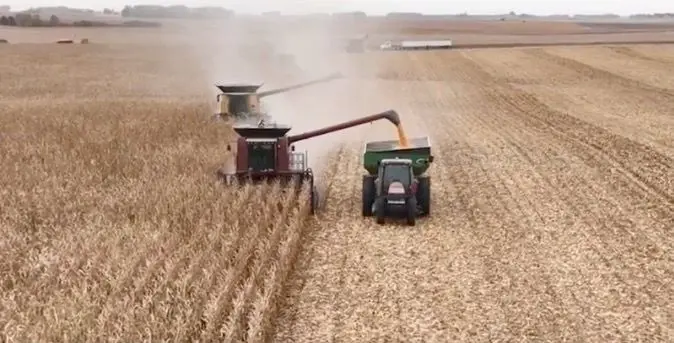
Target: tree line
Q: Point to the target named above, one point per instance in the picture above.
(28, 19)
(180, 11)
(34, 20)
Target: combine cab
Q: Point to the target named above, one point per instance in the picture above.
(266, 153)
(241, 102)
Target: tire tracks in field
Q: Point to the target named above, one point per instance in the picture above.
(512, 116)
(633, 113)
(653, 180)
(345, 209)
(632, 53)
(485, 208)
(599, 221)
(511, 193)
(483, 203)
(537, 115)
(592, 72)
(652, 171)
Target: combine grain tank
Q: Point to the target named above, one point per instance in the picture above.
(241, 102)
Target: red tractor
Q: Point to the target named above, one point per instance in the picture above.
(264, 153)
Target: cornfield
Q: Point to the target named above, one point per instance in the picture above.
(551, 218)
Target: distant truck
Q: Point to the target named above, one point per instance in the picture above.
(417, 45)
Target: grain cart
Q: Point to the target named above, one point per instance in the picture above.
(265, 153)
(242, 101)
(396, 183)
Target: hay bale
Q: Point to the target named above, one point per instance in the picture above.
(84, 41)
(64, 41)
(3, 41)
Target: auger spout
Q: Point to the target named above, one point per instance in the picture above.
(300, 85)
(389, 115)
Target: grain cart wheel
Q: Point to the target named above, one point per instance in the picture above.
(369, 194)
(380, 210)
(411, 211)
(424, 194)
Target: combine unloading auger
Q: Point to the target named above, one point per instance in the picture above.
(266, 153)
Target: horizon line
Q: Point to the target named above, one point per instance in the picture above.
(280, 13)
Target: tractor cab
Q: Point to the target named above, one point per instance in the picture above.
(396, 183)
(395, 179)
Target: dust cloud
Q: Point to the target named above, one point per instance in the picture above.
(283, 51)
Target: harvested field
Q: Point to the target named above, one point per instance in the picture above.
(553, 203)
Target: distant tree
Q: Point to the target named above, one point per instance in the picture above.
(35, 20)
(139, 23)
(126, 12)
(54, 20)
(24, 19)
(12, 21)
(4, 20)
(156, 11)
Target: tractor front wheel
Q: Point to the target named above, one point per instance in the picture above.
(380, 210)
(411, 211)
(424, 195)
(368, 194)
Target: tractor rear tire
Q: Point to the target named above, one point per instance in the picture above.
(380, 210)
(369, 194)
(411, 211)
(424, 194)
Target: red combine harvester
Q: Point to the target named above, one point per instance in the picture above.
(265, 153)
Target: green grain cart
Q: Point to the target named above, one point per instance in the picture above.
(396, 184)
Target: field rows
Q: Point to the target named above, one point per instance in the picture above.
(545, 225)
(553, 205)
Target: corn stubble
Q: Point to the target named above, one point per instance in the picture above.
(552, 221)
(113, 228)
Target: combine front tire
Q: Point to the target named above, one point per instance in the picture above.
(368, 194)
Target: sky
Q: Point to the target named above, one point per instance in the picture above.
(540, 7)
